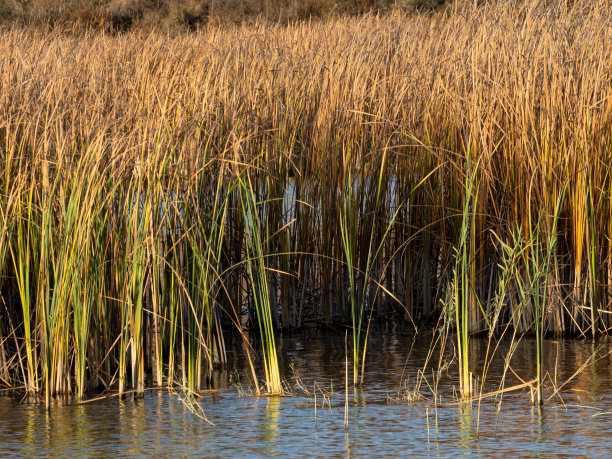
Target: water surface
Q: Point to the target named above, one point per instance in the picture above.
(385, 417)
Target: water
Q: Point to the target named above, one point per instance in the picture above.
(162, 424)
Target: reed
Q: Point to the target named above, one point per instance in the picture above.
(156, 190)
(260, 289)
(462, 285)
(360, 281)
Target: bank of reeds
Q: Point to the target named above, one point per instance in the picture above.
(156, 191)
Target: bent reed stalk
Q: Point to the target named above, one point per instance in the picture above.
(157, 190)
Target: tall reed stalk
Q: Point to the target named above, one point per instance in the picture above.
(463, 289)
(256, 266)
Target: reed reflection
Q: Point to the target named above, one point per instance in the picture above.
(271, 424)
(160, 424)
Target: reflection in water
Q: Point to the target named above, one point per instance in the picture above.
(347, 444)
(132, 424)
(464, 426)
(539, 417)
(160, 425)
(271, 424)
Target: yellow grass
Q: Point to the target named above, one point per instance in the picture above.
(520, 91)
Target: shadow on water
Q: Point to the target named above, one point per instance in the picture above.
(381, 420)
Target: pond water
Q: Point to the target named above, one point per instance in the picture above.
(384, 417)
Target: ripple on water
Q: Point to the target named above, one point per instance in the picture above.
(579, 424)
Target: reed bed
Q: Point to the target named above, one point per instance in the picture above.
(156, 191)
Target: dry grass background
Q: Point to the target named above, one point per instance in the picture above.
(123, 221)
(121, 15)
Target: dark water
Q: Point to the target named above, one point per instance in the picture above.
(383, 419)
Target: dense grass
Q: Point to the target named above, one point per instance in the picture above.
(157, 190)
(174, 15)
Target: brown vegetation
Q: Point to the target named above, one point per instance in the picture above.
(156, 189)
(121, 15)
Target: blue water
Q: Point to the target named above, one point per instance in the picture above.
(380, 422)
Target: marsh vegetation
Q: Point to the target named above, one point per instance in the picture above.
(157, 191)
